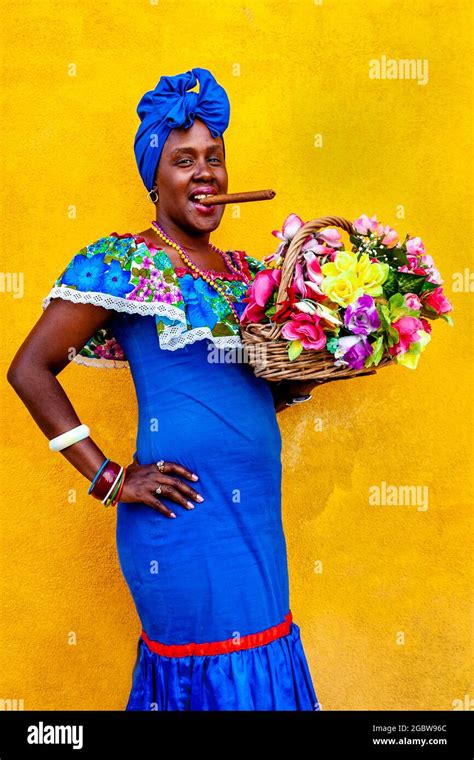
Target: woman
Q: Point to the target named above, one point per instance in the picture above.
(199, 532)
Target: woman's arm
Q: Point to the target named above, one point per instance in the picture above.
(61, 332)
(285, 390)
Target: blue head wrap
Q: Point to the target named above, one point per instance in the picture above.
(171, 106)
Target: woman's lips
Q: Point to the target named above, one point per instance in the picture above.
(206, 210)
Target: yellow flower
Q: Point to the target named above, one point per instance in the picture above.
(372, 277)
(363, 264)
(343, 288)
(344, 261)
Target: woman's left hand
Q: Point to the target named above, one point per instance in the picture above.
(302, 387)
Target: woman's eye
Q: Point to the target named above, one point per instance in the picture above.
(213, 158)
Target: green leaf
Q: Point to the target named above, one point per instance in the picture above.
(427, 285)
(378, 350)
(294, 349)
(395, 302)
(398, 309)
(410, 283)
(390, 285)
(447, 318)
(270, 312)
(392, 336)
(399, 256)
(384, 315)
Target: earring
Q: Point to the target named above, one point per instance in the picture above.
(153, 190)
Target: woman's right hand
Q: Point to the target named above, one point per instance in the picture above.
(141, 482)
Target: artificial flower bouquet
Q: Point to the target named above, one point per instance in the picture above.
(318, 310)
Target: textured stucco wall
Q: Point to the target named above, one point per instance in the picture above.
(380, 593)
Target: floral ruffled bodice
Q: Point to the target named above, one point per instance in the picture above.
(124, 273)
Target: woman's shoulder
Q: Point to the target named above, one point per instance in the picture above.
(112, 268)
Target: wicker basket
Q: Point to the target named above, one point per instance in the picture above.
(267, 351)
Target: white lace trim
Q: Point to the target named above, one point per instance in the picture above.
(173, 337)
(100, 362)
(145, 308)
(170, 339)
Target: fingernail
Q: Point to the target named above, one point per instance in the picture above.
(172, 514)
(191, 506)
(194, 477)
(199, 497)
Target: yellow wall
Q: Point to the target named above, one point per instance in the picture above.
(385, 625)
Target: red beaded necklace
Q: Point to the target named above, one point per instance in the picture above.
(205, 276)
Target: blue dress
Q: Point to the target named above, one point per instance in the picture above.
(211, 586)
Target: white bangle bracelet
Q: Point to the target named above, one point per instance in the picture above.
(69, 437)
(112, 486)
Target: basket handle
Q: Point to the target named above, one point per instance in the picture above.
(291, 256)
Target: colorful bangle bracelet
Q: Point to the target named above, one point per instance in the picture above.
(115, 495)
(113, 486)
(106, 480)
(110, 496)
(97, 474)
(117, 498)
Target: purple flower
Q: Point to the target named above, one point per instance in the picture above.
(352, 351)
(361, 316)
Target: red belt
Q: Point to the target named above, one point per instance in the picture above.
(221, 647)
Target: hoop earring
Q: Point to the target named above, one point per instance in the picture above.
(156, 198)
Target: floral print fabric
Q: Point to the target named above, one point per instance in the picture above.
(122, 273)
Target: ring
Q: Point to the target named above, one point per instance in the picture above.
(160, 465)
(158, 490)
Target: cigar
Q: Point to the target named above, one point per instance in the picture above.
(254, 195)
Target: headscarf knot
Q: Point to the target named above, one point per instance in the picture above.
(170, 106)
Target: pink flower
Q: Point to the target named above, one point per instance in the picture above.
(263, 286)
(434, 275)
(412, 260)
(407, 330)
(312, 245)
(390, 236)
(299, 282)
(291, 225)
(364, 225)
(412, 269)
(426, 325)
(412, 301)
(415, 246)
(305, 327)
(310, 287)
(331, 236)
(438, 301)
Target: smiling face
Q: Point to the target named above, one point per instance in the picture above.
(191, 159)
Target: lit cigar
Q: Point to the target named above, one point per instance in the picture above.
(255, 195)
